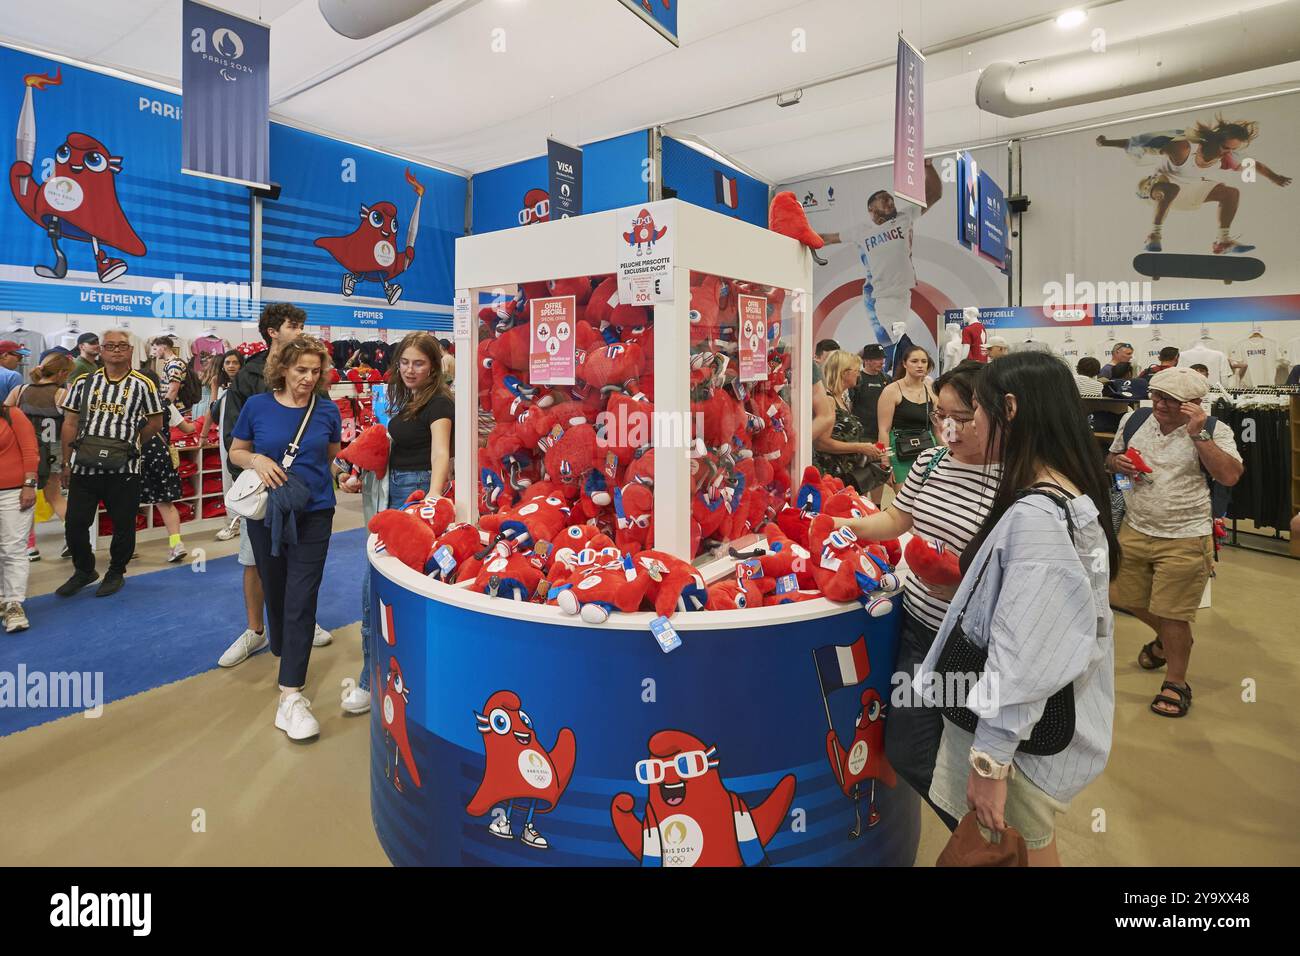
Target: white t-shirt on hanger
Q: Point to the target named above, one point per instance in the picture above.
(1071, 352)
(1220, 372)
(1260, 355)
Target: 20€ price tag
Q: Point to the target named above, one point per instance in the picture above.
(643, 290)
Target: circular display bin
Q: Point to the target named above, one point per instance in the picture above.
(511, 734)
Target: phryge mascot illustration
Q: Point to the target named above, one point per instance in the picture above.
(864, 760)
(369, 253)
(644, 235)
(518, 768)
(691, 818)
(79, 200)
(396, 697)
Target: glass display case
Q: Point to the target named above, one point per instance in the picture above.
(673, 424)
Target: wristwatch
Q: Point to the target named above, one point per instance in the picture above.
(1202, 435)
(29, 483)
(987, 767)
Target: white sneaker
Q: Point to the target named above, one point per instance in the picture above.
(15, 618)
(229, 531)
(534, 839)
(33, 554)
(250, 642)
(322, 637)
(294, 717)
(501, 828)
(355, 700)
(176, 554)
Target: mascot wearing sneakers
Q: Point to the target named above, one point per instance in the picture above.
(369, 253)
(519, 769)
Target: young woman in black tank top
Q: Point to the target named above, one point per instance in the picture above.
(906, 403)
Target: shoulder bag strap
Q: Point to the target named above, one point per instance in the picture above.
(291, 452)
(85, 404)
(935, 459)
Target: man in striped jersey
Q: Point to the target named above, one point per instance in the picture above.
(118, 404)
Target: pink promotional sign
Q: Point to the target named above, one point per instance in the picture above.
(552, 357)
(753, 338)
(909, 125)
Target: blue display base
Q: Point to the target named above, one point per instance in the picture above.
(593, 697)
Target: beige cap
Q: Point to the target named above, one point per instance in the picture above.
(1184, 384)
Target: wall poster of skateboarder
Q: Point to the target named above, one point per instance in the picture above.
(1200, 203)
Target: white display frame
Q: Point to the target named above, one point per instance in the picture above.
(706, 242)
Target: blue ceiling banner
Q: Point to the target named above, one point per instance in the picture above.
(968, 201)
(99, 219)
(993, 220)
(615, 174)
(360, 238)
(564, 163)
(659, 14)
(697, 178)
(226, 84)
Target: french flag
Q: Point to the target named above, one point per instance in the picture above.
(724, 188)
(386, 627)
(842, 665)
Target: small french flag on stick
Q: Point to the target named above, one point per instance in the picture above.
(725, 189)
(842, 665)
(386, 627)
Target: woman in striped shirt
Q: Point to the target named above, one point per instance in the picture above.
(947, 493)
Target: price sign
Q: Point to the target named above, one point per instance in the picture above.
(461, 315)
(752, 335)
(645, 238)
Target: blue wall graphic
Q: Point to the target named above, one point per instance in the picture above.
(329, 244)
(105, 160)
(516, 195)
(713, 185)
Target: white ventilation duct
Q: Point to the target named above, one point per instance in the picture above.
(358, 19)
(1250, 40)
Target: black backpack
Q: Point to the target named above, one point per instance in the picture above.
(191, 389)
(1220, 495)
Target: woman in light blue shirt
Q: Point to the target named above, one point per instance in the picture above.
(1034, 594)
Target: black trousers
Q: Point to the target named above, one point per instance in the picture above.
(121, 496)
(291, 583)
(912, 734)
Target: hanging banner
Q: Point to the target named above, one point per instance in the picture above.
(1084, 311)
(99, 219)
(226, 86)
(993, 220)
(753, 337)
(659, 14)
(909, 124)
(565, 165)
(552, 356)
(968, 201)
(645, 253)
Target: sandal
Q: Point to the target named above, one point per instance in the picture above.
(1181, 705)
(1149, 653)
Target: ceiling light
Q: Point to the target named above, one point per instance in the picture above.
(1071, 18)
(789, 99)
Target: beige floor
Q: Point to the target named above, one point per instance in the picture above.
(1220, 787)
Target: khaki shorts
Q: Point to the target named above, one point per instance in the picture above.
(1029, 809)
(1165, 576)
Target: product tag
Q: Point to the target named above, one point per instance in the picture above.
(1123, 482)
(787, 583)
(749, 568)
(446, 563)
(663, 632)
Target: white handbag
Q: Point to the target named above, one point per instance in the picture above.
(247, 497)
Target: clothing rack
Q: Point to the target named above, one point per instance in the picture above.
(1292, 394)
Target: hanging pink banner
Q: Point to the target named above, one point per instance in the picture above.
(909, 125)
(552, 358)
(753, 338)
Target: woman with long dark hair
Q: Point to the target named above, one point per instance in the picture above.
(419, 458)
(903, 412)
(1034, 598)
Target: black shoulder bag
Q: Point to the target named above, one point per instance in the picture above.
(910, 442)
(960, 657)
(96, 451)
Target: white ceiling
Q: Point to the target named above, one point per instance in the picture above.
(586, 69)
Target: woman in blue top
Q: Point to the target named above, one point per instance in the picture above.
(291, 579)
(1034, 593)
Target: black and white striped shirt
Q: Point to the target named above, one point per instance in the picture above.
(115, 409)
(948, 505)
